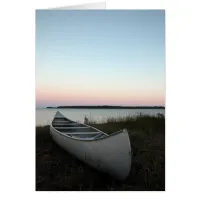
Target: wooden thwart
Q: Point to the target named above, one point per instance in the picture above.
(55, 123)
(83, 133)
(70, 127)
(67, 122)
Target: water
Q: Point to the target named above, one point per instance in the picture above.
(45, 116)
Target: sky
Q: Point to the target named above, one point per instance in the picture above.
(100, 57)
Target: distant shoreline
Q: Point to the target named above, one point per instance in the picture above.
(107, 107)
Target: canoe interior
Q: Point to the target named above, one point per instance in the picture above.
(76, 130)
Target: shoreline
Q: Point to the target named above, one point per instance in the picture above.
(56, 169)
(106, 107)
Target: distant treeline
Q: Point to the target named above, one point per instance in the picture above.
(111, 107)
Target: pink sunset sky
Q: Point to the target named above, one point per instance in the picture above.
(100, 57)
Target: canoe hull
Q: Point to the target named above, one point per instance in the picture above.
(111, 154)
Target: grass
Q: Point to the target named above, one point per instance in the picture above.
(58, 170)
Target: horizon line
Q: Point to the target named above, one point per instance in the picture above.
(60, 106)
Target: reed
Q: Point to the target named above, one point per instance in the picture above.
(137, 123)
(58, 170)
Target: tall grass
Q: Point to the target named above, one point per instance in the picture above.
(139, 123)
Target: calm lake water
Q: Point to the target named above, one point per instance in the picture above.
(45, 116)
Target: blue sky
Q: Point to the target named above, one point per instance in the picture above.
(103, 56)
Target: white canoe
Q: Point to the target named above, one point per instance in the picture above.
(107, 153)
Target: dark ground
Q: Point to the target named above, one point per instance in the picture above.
(57, 170)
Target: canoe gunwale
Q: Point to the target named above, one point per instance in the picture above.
(90, 140)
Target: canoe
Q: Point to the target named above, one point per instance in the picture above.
(107, 153)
